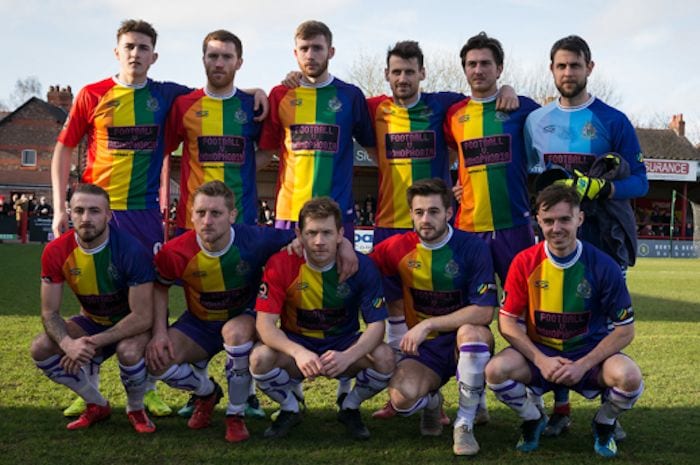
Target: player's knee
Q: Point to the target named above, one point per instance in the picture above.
(624, 372)
(403, 396)
(238, 331)
(42, 347)
(262, 359)
(495, 371)
(474, 333)
(130, 351)
(383, 358)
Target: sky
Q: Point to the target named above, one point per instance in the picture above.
(646, 50)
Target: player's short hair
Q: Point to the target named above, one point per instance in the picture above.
(482, 40)
(426, 187)
(224, 36)
(406, 49)
(554, 194)
(572, 43)
(310, 29)
(217, 189)
(320, 208)
(92, 189)
(137, 25)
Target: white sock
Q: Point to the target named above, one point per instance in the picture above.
(238, 376)
(77, 383)
(134, 381)
(512, 393)
(368, 382)
(277, 385)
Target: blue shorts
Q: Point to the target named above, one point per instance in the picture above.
(392, 284)
(91, 328)
(348, 228)
(505, 244)
(438, 354)
(207, 334)
(144, 225)
(588, 386)
(319, 346)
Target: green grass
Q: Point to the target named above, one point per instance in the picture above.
(663, 428)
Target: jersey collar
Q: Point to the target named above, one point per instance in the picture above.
(218, 253)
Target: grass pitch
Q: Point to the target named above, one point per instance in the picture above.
(663, 428)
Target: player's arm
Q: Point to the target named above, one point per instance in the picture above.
(159, 351)
(263, 158)
(260, 103)
(336, 363)
(619, 338)
(507, 99)
(479, 315)
(139, 319)
(60, 170)
(79, 351)
(272, 336)
(516, 337)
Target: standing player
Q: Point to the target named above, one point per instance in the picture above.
(123, 117)
(319, 332)
(492, 164)
(449, 294)
(312, 129)
(219, 264)
(112, 276)
(572, 132)
(218, 130)
(567, 291)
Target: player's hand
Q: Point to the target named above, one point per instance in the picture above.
(588, 188)
(347, 260)
(80, 350)
(414, 338)
(292, 79)
(261, 105)
(335, 363)
(295, 248)
(159, 352)
(309, 363)
(59, 223)
(549, 365)
(569, 374)
(458, 192)
(507, 100)
(70, 366)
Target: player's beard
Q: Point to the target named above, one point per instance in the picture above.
(221, 81)
(90, 234)
(431, 235)
(575, 92)
(322, 67)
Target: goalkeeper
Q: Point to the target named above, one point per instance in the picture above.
(573, 132)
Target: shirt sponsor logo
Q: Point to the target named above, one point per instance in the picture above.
(132, 137)
(321, 137)
(321, 319)
(571, 161)
(563, 326)
(221, 149)
(436, 303)
(416, 145)
(491, 150)
(232, 299)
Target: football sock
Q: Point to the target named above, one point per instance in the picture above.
(470, 376)
(431, 400)
(512, 393)
(344, 386)
(92, 369)
(368, 382)
(134, 381)
(277, 385)
(617, 402)
(238, 377)
(185, 378)
(395, 331)
(77, 383)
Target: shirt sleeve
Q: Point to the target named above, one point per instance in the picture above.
(138, 266)
(166, 268)
(627, 146)
(173, 127)
(372, 303)
(273, 286)
(78, 119)
(482, 285)
(271, 134)
(362, 130)
(51, 264)
(382, 258)
(515, 292)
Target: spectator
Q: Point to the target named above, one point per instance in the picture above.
(43, 209)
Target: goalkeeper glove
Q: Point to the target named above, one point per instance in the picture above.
(588, 188)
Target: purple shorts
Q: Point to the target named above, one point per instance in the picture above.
(90, 328)
(144, 225)
(588, 386)
(505, 244)
(438, 354)
(319, 346)
(392, 284)
(207, 334)
(348, 228)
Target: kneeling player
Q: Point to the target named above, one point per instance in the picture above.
(449, 295)
(319, 333)
(567, 291)
(112, 276)
(219, 265)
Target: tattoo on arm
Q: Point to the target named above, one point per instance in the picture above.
(55, 327)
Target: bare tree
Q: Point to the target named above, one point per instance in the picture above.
(25, 89)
